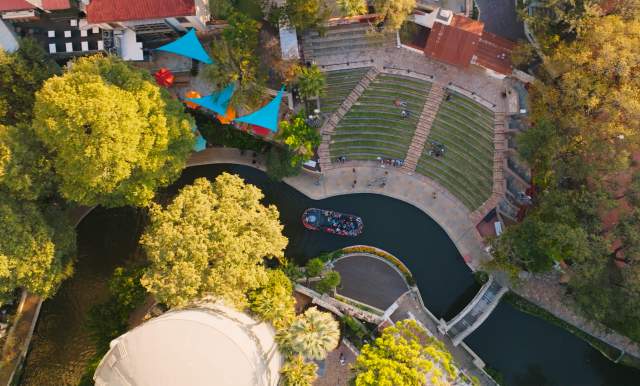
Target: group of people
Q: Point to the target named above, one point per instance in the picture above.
(342, 159)
(437, 149)
(404, 112)
(341, 225)
(390, 161)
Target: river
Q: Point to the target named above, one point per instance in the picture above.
(525, 349)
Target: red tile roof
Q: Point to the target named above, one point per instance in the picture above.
(494, 52)
(466, 24)
(15, 5)
(451, 45)
(104, 11)
(52, 5)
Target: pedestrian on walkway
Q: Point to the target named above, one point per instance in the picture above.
(342, 361)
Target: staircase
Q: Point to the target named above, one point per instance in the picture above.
(428, 115)
(330, 124)
(343, 39)
(499, 185)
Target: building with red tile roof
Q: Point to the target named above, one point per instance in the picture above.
(106, 11)
(461, 41)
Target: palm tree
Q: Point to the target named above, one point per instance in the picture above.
(311, 83)
(297, 372)
(312, 335)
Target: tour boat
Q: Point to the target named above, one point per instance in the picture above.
(329, 221)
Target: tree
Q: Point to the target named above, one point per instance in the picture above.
(311, 81)
(25, 170)
(329, 282)
(394, 12)
(211, 240)
(297, 372)
(21, 75)
(37, 248)
(539, 146)
(235, 60)
(282, 162)
(313, 267)
(307, 14)
(405, 354)
(353, 7)
(300, 138)
(313, 335)
(113, 135)
(274, 301)
(220, 9)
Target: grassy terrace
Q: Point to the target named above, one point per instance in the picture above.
(339, 85)
(466, 130)
(374, 126)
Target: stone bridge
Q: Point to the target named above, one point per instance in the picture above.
(476, 312)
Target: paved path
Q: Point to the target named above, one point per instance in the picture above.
(370, 280)
(428, 115)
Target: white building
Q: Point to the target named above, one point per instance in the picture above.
(212, 345)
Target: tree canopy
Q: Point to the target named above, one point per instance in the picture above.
(297, 372)
(21, 75)
(211, 239)
(404, 355)
(394, 12)
(300, 137)
(274, 301)
(113, 135)
(585, 112)
(25, 170)
(236, 61)
(307, 14)
(352, 7)
(312, 81)
(37, 249)
(313, 335)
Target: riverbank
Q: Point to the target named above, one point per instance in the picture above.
(407, 232)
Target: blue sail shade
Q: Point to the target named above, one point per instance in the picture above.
(188, 46)
(267, 116)
(216, 102)
(201, 143)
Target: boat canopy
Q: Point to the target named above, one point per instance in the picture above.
(189, 46)
(267, 116)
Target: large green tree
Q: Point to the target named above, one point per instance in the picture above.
(298, 372)
(25, 170)
(404, 355)
(37, 249)
(307, 14)
(394, 12)
(312, 81)
(274, 301)
(313, 335)
(352, 7)
(299, 137)
(235, 60)
(21, 75)
(211, 239)
(113, 135)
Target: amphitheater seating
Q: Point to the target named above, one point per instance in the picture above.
(343, 39)
(465, 128)
(374, 126)
(339, 84)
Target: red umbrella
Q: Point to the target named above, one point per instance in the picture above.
(164, 77)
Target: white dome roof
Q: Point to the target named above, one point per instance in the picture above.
(213, 345)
